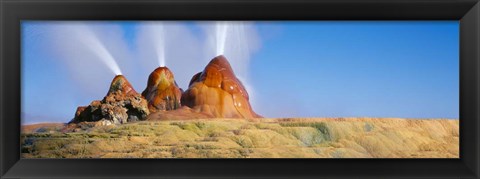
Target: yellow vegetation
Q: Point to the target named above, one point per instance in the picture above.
(264, 138)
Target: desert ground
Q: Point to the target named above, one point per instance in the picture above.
(254, 138)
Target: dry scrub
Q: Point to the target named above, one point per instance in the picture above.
(266, 138)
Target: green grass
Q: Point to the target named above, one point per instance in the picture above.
(320, 126)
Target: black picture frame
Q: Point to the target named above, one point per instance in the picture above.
(14, 11)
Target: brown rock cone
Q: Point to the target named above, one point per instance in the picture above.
(162, 92)
(122, 104)
(217, 91)
(121, 84)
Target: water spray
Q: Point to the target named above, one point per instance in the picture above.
(221, 37)
(89, 40)
(159, 42)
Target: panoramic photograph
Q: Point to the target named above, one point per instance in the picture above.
(239, 89)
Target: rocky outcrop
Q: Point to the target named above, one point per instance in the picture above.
(122, 104)
(162, 92)
(217, 92)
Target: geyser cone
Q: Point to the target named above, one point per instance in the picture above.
(121, 84)
(122, 104)
(218, 92)
(162, 92)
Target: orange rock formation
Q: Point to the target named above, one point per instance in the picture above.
(217, 92)
(162, 92)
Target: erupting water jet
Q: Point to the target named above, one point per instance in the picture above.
(221, 37)
(89, 40)
(159, 42)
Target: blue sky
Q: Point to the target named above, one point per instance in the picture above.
(406, 69)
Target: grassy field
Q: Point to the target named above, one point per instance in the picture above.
(264, 138)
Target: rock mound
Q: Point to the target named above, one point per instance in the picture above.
(162, 92)
(217, 92)
(122, 104)
(121, 86)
